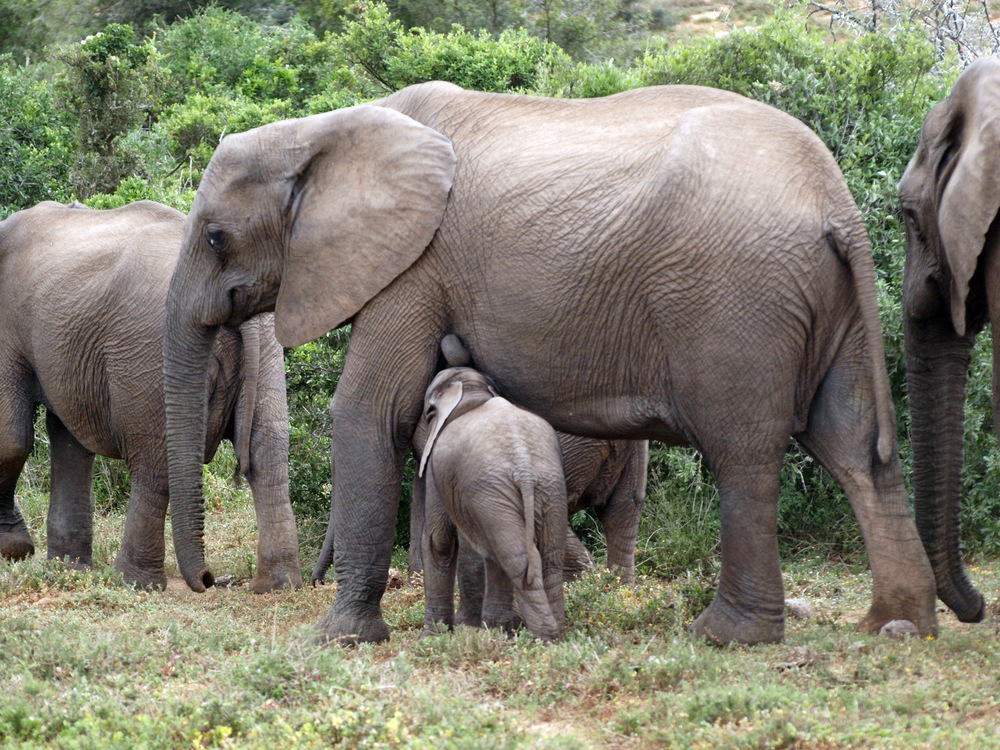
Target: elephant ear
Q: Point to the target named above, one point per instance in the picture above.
(439, 407)
(968, 178)
(370, 189)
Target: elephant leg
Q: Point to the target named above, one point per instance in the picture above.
(278, 564)
(16, 439)
(578, 558)
(70, 526)
(749, 604)
(472, 584)
(498, 600)
(415, 562)
(533, 600)
(378, 402)
(620, 515)
(841, 434)
(440, 553)
(141, 557)
(551, 536)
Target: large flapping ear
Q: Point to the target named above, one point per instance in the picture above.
(440, 405)
(968, 180)
(369, 193)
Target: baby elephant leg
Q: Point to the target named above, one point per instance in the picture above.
(440, 554)
(498, 603)
(471, 584)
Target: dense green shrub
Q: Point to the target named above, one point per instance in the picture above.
(38, 141)
(109, 83)
(396, 58)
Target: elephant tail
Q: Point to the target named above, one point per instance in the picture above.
(250, 333)
(854, 247)
(533, 578)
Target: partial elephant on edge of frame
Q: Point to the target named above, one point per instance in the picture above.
(950, 198)
(82, 296)
(673, 263)
(492, 472)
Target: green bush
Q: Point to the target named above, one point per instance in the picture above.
(218, 52)
(38, 141)
(109, 82)
(396, 58)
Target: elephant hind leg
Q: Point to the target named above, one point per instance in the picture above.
(141, 557)
(70, 526)
(16, 439)
(749, 604)
(841, 434)
(498, 601)
(532, 600)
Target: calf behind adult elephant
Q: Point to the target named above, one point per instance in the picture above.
(494, 473)
(673, 263)
(950, 196)
(82, 296)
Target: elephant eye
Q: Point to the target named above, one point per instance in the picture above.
(217, 239)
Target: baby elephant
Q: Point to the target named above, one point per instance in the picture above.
(494, 474)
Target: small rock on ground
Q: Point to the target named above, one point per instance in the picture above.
(800, 609)
(898, 629)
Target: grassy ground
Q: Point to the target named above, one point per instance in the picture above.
(86, 662)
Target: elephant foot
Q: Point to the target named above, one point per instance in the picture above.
(349, 627)
(434, 628)
(277, 577)
(15, 541)
(903, 606)
(722, 623)
(142, 577)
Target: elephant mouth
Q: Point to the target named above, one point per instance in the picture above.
(244, 303)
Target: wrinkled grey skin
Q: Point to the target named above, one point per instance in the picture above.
(82, 295)
(673, 263)
(492, 473)
(950, 196)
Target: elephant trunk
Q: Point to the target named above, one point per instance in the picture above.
(187, 347)
(937, 363)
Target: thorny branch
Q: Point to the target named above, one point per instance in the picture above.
(960, 27)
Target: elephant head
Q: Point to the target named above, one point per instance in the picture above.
(452, 393)
(950, 197)
(259, 237)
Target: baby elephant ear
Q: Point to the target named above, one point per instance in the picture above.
(370, 189)
(440, 405)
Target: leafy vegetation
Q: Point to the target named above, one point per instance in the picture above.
(90, 663)
(121, 115)
(110, 102)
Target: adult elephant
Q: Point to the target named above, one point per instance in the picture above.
(672, 263)
(950, 196)
(82, 295)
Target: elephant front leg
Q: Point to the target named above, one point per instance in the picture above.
(749, 604)
(278, 564)
(70, 526)
(141, 557)
(498, 601)
(16, 439)
(379, 399)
